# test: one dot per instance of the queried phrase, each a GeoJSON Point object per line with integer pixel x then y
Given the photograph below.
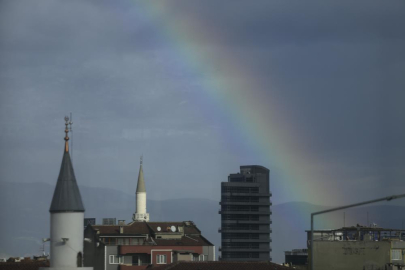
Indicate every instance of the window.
{"type": "Point", "coordinates": [238, 245]}
{"type": "Point", "coordinates": [109, 241]}
{"type": "Point", "coordinates": [240, 208]}
{"type": "Point", "coordinates": [396, 254]}
{"type": "Point", "coordinates": [239, 255]}
{"type": "Point", "coordinates": [240, 236]}
{"type": "Point", "coordinates": [161, 259]}
{"type": "Point", "coordinates": [203, 257]}
{"type": "Point", "coordinates": [122, 241]}
{"type": "Point", "coordinates": [114, 259]}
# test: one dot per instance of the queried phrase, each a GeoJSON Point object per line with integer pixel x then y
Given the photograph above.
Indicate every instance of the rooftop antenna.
{"type": "Point", "coordinates": [141, 159]}
{"type": "Point", "coordinates": [66, 137]}
{"type": "Point", "coordinates": [71, 137]}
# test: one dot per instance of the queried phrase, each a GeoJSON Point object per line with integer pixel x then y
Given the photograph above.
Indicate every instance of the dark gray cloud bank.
{"type": "Point", "coordinates": [337, 66]}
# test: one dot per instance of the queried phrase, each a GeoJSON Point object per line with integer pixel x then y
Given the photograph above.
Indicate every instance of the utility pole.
{"type": "Point", "coordinates": [368, 224]}
{"type": "Point", "coordinates": [344, 219]}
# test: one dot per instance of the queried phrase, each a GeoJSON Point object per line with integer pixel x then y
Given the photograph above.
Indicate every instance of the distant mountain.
{"type": "Point", "coordinates": [25, 217]}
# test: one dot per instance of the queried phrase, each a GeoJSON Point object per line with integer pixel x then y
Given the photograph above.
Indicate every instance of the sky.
{"type": "Point", "coordinates": [312, 90]}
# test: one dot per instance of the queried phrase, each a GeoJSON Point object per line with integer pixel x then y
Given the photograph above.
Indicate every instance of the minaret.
{"type": "Point", "coordinates": [140, 213]}
{"type": "Point", "coordinates": [67, 214]}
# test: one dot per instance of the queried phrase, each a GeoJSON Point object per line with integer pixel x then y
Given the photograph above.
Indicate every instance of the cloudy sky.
{"type": "Point", "coordinates": [312, 90]}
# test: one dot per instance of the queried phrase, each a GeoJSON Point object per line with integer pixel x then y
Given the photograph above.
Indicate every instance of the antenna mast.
{"type": "Point", "coordinates": [71, 137]}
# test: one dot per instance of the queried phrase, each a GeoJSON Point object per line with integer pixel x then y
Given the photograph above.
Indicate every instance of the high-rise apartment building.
{"type": "Point", "coordinates": [245, 215]}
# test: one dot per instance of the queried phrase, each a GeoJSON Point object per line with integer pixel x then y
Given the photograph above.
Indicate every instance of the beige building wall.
{"type": "Point", "coordinates": [346, 255]}
{"type": "Point", "coordinates": [184, 257]}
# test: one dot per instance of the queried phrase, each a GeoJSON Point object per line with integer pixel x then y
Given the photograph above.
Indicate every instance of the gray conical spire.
{"type": "Point", "coordinates": [141, 182]}
{"type": "Point", "coordinates": [66, 197]}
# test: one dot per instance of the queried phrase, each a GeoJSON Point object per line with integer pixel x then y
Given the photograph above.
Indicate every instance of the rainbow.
{"type": "Point", "coordinates": [256, 117]}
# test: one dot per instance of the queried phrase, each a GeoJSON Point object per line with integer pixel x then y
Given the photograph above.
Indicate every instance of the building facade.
{"type": "Point", "coordinates": [367, 248]}
{"type": "Point", "coordinates": [297, 258]}
{"type": "Point", "coordinates": [245, 215]}
{"type": "Point", "coordinates": [138, 245]}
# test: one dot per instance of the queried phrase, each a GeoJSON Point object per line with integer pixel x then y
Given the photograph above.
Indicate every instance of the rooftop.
{"type": "Point", "coordinates": [221, 266]}
{"type": "Point", "coordinates": [358, 228]}
{"type": "Point", "coordinates": [185, 233]}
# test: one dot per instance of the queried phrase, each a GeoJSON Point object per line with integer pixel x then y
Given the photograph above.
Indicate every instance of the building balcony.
{"type": "Point", "coordinates": [232, 249]}
{"type": "Point", "coordinates": [240, 184]}
{"type": "Point", "coordinates": [243, 231]}
{"type": "Point", "coordinates": [246, 203]}
{"type": "Point", "coordinates": [243, 259]}
{"type": "Point", "coordinates": [262, 213]}
{"type": "Point", "coordinates": [246, 221]}
{"type": "Point", "coordinates": [246, 194]}
{"type": "Point", "coordinates": [237, 240]}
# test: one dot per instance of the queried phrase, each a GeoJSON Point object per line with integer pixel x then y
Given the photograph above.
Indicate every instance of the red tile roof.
{"type": "Point", "coordinates": [188, 226]}
{"type": "Point", "coordinates": [184, 241]}
{"type": "Point", "coordinates": [132, 228]}
{"type": "Point", "coordinates": [32, 265]}
{"type": "Point", "coordinates": [221, 266]}
{"type": "Point", "coordinates": [146, 228]}
{"type": "Point", "coordinates": [192, 235]}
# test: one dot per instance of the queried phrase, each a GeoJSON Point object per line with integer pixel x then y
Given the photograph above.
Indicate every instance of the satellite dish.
{"type": "Point", "coordinates": [158, 228]}
{"type": "Point", "coordinates": [173, 228]}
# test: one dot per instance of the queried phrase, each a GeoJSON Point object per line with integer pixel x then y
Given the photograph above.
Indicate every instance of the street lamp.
{"type": "Point", "coordinates": [389, 198]}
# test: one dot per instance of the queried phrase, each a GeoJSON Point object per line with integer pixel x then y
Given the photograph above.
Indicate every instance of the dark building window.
{"type": "Point", "coordinates": [109, 241]}
{"type": "Point", "coordinates": [240, 226]}
{"type": "Point", "coordinates": [240, 217]}
{"type": "Point", "coordinates": [241, 245]}
{"type": "Point", "coordinates": [79, 259]}
{"type": "Point", "coordinates": [240, 208]}
{"type": "Point", "coordinates": [239, 199]}
{"type": "Point", "coordinates": [229, 255]}
{"type": "Point", "coordinates": [240, 189]}
{"type": "Point", "coordinates": [240, 236]}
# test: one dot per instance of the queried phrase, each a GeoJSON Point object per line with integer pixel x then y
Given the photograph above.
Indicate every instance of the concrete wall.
{"type": "Point", "coordinates": [210, 252]}
{"type": "Point", "coordinates": [111, 250]}
{"type": "Point", "coordinates": [343, 255]}
{"type": "Point", "coordinates": [183, 257]}
{"type": "Point", "coordinates": [93, 255]}
{"type": "Point", "coordinates": [70, 226]}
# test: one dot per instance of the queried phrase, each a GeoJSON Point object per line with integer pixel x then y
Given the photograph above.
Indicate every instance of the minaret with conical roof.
{"type": "Point", "coordinates": [140, 213]}
{"type": "Point", "coordinates": [67, 215]}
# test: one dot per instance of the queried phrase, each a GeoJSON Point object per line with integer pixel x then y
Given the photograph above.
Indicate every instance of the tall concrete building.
{"type": "Point", "coordinates": [67, 214]}
{"type": "Point", "coordinates": [245, 215]}
{"type": "Point", "coordinates": [140, 212]}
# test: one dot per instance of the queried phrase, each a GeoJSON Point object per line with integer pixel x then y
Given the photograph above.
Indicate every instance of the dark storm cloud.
{"type": "Point", "coordinates": [336, 66]}
{"type": "Point", "coordinates": [270, 23]}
